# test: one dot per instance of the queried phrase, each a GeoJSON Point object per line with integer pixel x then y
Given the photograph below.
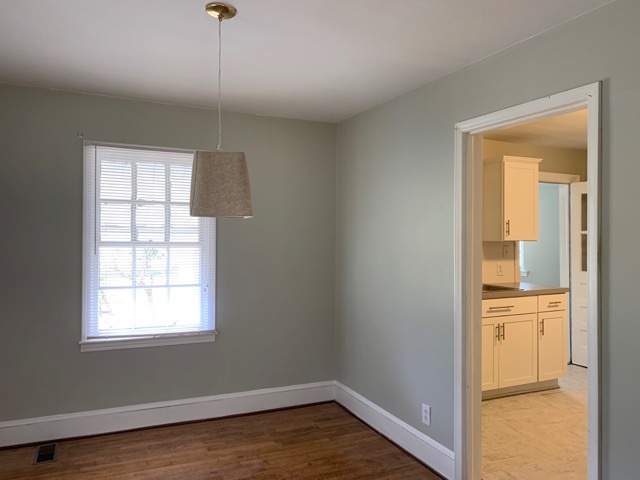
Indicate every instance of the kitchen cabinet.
{"type": "Point", "coordinates": [524, 340]}
{"type": "Point", "coordinates": [490, 344]}
{"type": "Point", "coordinates": [518, 351]}
{"type": "Point", "coordinates": [552, 337]}
{"type": "Point", "coordinates": [509, 342]}
{"type": "Point", "coordinates": [510, 199]}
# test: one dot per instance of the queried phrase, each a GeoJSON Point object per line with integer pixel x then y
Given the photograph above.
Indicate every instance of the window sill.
{"type": "Point", "coordinates": [122, 343]}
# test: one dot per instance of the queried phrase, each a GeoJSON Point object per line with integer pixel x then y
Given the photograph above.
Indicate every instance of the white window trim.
{"type": "Point", "coordinates": [100, 344]}
{"type": "Point", "coordinates": [523, 272]}
{"type": "Point", "coordinates": [119, 344]}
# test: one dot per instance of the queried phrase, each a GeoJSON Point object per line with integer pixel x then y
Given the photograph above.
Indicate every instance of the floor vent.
{"type": "Point", "coordinates": [45, 453]}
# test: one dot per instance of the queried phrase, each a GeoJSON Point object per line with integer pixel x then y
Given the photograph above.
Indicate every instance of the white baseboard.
{"type": "Point", "coordinates": [57, 427]}
{"type": "Point", "coordinates": [423, 447]}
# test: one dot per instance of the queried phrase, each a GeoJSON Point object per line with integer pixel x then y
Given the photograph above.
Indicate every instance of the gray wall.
{"type": "Point", "coordinates": [542, 257]}
{"type": "Point", "coordinates": [395, 224]}
{"type": "Point", "coordinates": [275, 272]}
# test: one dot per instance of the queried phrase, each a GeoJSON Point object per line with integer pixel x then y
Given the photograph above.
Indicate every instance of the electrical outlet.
{"type": "Point", "coordinates": [426, 414]}
{"type": "Point", "coordinates": [499, 272]}
{"type": "Point", "coordinates": [505, 251]}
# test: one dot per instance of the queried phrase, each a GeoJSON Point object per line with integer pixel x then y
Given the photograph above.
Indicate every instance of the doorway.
{"type": "Point", "coordinates": [468, 278]}
{"type": "Point", "coordinates": [572, 233]}
{"type": "Point", "coordinates": [542, 431]}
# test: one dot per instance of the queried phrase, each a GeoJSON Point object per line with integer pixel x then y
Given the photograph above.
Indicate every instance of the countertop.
{"type": "Point", "coordinates": [527, 290]}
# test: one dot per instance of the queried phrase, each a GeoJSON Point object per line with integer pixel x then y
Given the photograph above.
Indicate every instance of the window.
{"type": "Point", "coordinates": [523, 266]}
{"type": "Point", "coordinates": [149, 267]}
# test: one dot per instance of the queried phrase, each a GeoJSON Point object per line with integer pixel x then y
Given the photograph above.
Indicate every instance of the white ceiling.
{"type": "Point", "coordinates": [301, 59]}
{"type": "Point", "coordinates": [563, 131]}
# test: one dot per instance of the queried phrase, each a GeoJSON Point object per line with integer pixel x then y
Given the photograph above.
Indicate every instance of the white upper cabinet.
{"type": "Point", "coordinates": [510, 199]}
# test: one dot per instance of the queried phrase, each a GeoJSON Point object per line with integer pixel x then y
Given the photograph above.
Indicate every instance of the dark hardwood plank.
{"type": "Point", "coordinates": [315, 442]}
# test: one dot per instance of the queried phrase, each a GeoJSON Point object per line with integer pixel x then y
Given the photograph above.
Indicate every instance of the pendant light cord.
{"type": "Point", "coordinates": [219, 147]}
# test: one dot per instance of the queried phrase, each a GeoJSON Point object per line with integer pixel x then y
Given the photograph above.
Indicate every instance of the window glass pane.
{"type": "Point", "coordinates": [584, 210]}
{"type": "Point", "coordinates": [184, 266]}
{"type": "Point", "coordinates": [116, 269]}
{"type": "Point", "coordinates": [180, 183]}
{"type": "Point", "coordinates": [184, 228]}
{"type": "Point", "coordinates": [115, 180]}
{"type": "Point", "coordinates": [115, 222]}
{"type": "Point", "coordinates": [152, 307]}
{"type": "Point", "coordinates": [162, 308]}
{"type": "Point", "coordinates": [151, 266]}
{"type": "Point", "coordinates": [184, 311]}
{"type": "Point", "coordinates": [584, 251]}
{"type": "Point", "coordinates": [150, 223]}
{"type": "Point", "coordinates": [115, 309]}
{"type": "Point", "coordinates": [150, 182]}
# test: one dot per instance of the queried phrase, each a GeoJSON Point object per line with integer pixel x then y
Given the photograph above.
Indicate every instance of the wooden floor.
{"type": "Point", "coordinates": [539, 435]}
{"type": "Point", "coordinates": [315, 442]}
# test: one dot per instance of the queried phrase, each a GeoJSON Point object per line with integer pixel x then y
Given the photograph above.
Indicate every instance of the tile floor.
{"type": "Point", "coordinates": [540, 435]}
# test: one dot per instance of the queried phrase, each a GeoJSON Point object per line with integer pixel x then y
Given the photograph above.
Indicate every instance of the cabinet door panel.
{"type": "Point", "coordinates": [489, 355]}
{"type": "Point", "coordinates": [521, 201]}
{"type": "Point", "coordinates": [518, 361]}
{"type": "Point", "coordinates": [552, 342]}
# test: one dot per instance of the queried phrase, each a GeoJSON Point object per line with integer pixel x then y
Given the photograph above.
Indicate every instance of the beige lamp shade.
{"type": "Point", "coordinates": [220, 185]}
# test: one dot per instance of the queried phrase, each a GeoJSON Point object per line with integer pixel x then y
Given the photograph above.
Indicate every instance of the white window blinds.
{"type": "Point", "coordinates": [149, 266]}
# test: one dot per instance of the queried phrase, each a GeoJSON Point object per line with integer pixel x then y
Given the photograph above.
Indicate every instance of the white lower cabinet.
{"type": "Point", "coordinates": [525, 348]}
{"type": "Point", "coordinates": [509, 351]}
{"type": "Point", "coordinates": [518, 351]}
{"type": "Point", "coordinates": [552, 337]}
{"type": "Point", "coordinates": [490, 362]}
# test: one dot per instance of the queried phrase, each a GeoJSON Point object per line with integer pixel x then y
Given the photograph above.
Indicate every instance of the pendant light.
{"type": "Point", "coordinates": [220, 180]}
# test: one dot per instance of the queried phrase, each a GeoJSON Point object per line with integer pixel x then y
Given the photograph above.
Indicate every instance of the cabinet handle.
{"type": "Point", "coordinates": [554, 303]}
{"type": "Point", "coordinates": [542, 327]}
{"type": "Point", "coordinates": [505, 307]}
{"type": "Point", "coordinates": [503, 332]}
{"type": "Point", "coordinates": [498, 332]}
{"type": "Point", "coordinates": [508, 227]}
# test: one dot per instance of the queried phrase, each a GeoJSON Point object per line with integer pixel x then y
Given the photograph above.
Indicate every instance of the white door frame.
{"type": "Point", "coordinates": [468, 269]}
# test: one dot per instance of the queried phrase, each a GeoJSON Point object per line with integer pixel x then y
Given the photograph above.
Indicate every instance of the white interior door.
{"type": "Point", "coordinates": [579, 290]}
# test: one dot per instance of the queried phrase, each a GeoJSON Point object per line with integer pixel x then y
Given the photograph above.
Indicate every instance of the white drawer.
{"type": "Point", "coordinates": [496, 307]}
{"type": "Point", "coordinates": [549, 303]}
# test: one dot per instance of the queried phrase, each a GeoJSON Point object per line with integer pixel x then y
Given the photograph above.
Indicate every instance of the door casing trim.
{"type": "Point", "coordinates": [468, 269]}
